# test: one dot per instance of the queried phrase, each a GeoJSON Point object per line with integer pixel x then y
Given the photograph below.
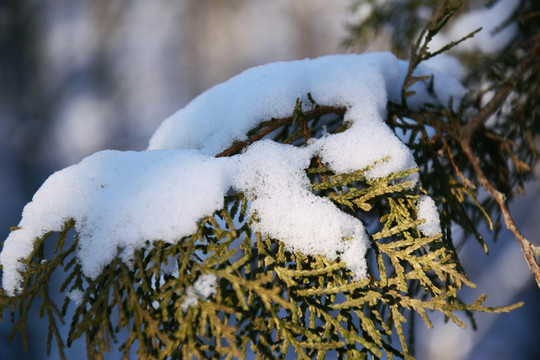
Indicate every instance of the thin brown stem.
{"type": "Point", "coordinates": [448, 151]}
{"type": "Point", "coordinates": [529, 249]}
{"type": "Point", "coordinates": [276, 124]}
{"type": "Point", "coordinates": [428, 118]}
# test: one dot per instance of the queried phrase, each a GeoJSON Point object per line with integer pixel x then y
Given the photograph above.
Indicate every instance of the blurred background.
{"type": "Point", "coordinates": [81, 76]}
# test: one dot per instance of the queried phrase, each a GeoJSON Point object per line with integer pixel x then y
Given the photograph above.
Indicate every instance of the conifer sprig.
{"type": "Point", "coordinates": [269, 299]}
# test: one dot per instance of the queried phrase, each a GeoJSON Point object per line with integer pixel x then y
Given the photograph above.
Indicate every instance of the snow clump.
{"type": "Point", "coordinates": [204, 288]}
{"type": "Point", "coordinates": [427, 209]}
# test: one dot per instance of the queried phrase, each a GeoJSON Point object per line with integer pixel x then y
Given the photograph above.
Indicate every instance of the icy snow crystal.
{"type": "Point", "coordinates": [204, 287]}
{"type": "Point", "coordinates": [120, 200]}
{"type": "Point", "coordinates": [428, 210]}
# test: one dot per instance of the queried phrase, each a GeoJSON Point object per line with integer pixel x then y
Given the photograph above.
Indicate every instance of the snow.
{"type": "Point", "coordinates": [121, 200]}
{"type": "Point", "coordinates": [448, 64]}
{"type": "Point", "coordinates": [273, 175]}
{"type": "Point", "coordinates": [496, 34]}
{"type": "Point", "coordinates": [204, 288]}
{"type": "Point", "coordinates": [76, 296]}
{"type": "Point", "coordinates": [190, 300]}
{"type": "Point", "coordinates": [427, 209]}
{"type": "Point", "coordinates": [227, 111]}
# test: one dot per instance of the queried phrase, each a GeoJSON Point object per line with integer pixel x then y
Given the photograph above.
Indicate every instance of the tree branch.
{"type": "Point", "coordinates": [277, 123]}
{"type": "Point", "coordinates": [463, 135]}
{"type": "Point", "coordinates": [529, 249]}
{"type": "Point", "coordinates": [427, 117]}
{"type": "Point", "coordinates": [502, 94]}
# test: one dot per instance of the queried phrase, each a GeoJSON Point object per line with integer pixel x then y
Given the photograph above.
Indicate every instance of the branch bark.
{"type": "Point", "coordinates": [529, 249]}
{"type": "Point", "coordinates": [274, 124]}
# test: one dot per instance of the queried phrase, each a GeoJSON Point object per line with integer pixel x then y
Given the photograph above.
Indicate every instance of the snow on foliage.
{"type": "Point", "coordinates": [76, 296]}
{"type": "Point", "coordinates": [204, 287]}
{"type": "Point", "coordinates": [428, 210]}
{"type": "Point", "coordinates": [121, 200]}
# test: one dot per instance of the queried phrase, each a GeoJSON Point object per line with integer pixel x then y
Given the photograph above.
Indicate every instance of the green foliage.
{"type": "Point", "coordinates": [269, 300]}
{"type": "Point", "coordinates": [506, 147]}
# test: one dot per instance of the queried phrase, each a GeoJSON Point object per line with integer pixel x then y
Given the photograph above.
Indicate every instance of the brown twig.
{"type": "Point", "coordinates": [426, 117]}
{"type": "Point", "coordinates": [462, 135]}
{"type": "Point", "coordinates": [529, 250]}
{"type": "Point", "coordinates": [448, 151]}
{"type": "Point", "coordinates": [277, 123]}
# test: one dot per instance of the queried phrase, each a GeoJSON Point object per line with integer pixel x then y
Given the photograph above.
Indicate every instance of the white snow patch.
{"type": "Point", "coordinates": [76, 296]}
{"type": "Point", "coordinates": [273, 174]}
{"type": "Point", "coordinates": [121, 200]}
{"type": "Point", "coordinates": [448, 64]}
{"type": "Point", "coordinates": [427, 209]}
{"type": "Point", "coordinates": [227, 111]}
{"type": "Point", "coordinates": [204, 288]}
{"type": "Point", "coordinates": [190, 300]}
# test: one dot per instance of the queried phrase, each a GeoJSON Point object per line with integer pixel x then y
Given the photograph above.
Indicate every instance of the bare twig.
{"type": "Point", "coordinates": [448, 151]}
{"type": "Point", "coordinates": [427, 118]}
{"type": "Point", "coordinates": [529, 249]}
{"type": "Point", "coordinates": [277, 123]}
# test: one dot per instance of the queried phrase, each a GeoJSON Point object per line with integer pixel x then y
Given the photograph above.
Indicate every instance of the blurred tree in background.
{"type": "Point", "coordinates": [490, 143]}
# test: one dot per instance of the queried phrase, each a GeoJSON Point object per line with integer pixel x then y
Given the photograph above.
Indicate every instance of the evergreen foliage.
{"type": "Point", "coordinates": [272, 301]}
{"type": "Point", "coordinates": [467, 153]}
